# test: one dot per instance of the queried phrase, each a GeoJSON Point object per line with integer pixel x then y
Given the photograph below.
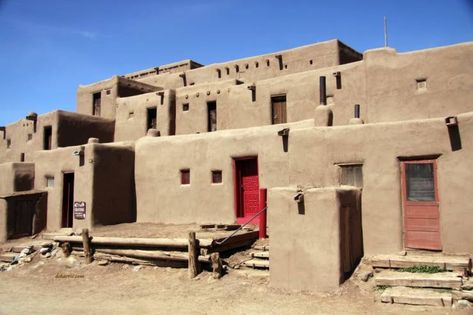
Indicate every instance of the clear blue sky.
{"type": "Point", "coordinates": [49, 47]}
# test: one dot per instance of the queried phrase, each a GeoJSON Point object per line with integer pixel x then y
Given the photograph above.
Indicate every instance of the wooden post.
{"type": "Point", "coordinates": [194, 250]}
{"type": "Point", "coordinates": [86, 246]}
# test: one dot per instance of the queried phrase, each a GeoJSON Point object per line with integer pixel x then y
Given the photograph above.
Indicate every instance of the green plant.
{"type": "Point", "coordinates": [380, 288]}
{"type": "Point", "coordinates": [422, 268]}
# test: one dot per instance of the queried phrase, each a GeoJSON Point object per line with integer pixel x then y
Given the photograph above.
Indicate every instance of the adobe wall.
{"type": "Point", "coordinates": [114, 198]}
{"type": "Point", "coordinates": [162, 199]}
{"type": "Point", "coordinates": [67, 129]}
{"type": "Point", "coordinates": [314, 155]}
{"type": "Point", "coordinates": [16, 177]}
{"type": "Point", "coordinates": [3, 220]}
{"type": "Point", "coordinates": [131, 120]}
{"type": "Point", "coordinates": [308, 246]}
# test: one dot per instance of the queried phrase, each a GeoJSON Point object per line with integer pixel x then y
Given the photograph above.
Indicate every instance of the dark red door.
{"type": "Point", "coordinates": [421, 205]}
{"type": "Point", "coordinates": [247, 189]}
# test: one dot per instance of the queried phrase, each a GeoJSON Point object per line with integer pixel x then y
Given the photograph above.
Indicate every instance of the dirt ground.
{"type": "Point", "coordinates": [67, 286]}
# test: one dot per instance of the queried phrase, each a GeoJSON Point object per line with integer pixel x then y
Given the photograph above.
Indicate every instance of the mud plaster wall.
{"type": "Point", "coordinates": [314, 153]}
{"type": "Point", "coordinates": [306, 251]}
{"type": "Point", "coordinates": [16, 177]}
{"type": "Point", "coordinates": [55, 163]}
{"type": "Point", "coordinates": [131, 120]}
{"type": "Point", "coordinates": [162, 198]}
{"type": "Point", "coordinates": [84, 102]}
{"type": "Point", "coordinates": [114, 185]}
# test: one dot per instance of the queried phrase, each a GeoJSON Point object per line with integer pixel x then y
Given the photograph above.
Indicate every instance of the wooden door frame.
{"type": "Point", "coordinates": [406, 202]}
{"type": "Point", "coordinates": [236, 190]}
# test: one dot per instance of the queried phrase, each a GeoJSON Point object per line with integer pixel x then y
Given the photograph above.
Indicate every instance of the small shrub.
{"type": "Point", "coordinates": [422, 269]}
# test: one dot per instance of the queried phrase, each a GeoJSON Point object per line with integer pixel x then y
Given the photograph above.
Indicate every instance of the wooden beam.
{"type": "Point", "coordinates": [86, 245]}
{"type": "Point", "coordinates": [194, 250]}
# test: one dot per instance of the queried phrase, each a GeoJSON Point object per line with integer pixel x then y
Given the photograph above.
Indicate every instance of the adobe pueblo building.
{"type": "Point", "coordinates": [357, 155]}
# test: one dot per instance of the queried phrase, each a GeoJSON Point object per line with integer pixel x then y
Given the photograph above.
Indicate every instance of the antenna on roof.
{"type": "Point", "coordinates": [385, 32]}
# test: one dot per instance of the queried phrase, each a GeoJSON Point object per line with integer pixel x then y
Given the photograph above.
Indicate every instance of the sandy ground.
{"type": "Point", "coordinates": [66, 286]}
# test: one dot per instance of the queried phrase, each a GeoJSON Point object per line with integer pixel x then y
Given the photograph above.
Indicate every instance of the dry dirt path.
{"type": "Point", "coordinates": [48, 286]}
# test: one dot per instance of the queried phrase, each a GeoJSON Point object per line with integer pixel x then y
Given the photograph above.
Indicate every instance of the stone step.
{"type": "Point", "coordinates": [7, 256]}
{"type": "Point", "coordinates": [261, 247]}
{"type": "Point", "coordinates": [260, 254]}
{"type": "Point", "coordinates": [446, 280]}
{"type": "Point", "coordinates": [403, 295]}
{"type": "Point", "coordinates": [257, 263]}
{"type": "Point", "coordinates": [450, 263]}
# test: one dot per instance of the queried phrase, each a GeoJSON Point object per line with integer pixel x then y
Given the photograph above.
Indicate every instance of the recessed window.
{"type": "Point", "coordinates": [311, 62]}
{"type": "Point", "coordinates": [227, 70]}
{"type": "Point", "coordinates": [219, 73]}
{"type": "Point", "coordinates": [152, 118]}
{"type": "Point", "coordinates": [49, 181]}
{"type": "Point", "coordinates": [237, 68]}
{"type": "Point", "coordinates": [185, 176]}
{"type": "Point", "coordinates": [22, 157]}
{"type": "Point", "coordinates": [421, 85]}
{"type": "Point", "coordinates": [108, 92]}
{"type": "Point", "coordinates": [268, 62]}
{"type": "Point", "coordinates": [8, 143]}
{"type": "Point", "coordinates": [352, 175]}
{"type": "Point", "coordinates": [30, 136]}
{"type": "Point", "coordinates": [216, 177]}
{"type": "Point", "coordinates": [131, 115]}
{"type": "Point", "coordinates": [256, 64]}
{"type": "Point", "coordinates": [47, 137]}
{"type": "Point", "coordinates": [185, 107]}
{"type": "Point", "coordinates": [247, 66]}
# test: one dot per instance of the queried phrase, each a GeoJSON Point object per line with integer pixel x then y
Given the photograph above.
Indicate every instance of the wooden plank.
{"type": "Point", "coordinates": [261, 247]}
{"type": "Point", "coordinates": [148, 254]}
{"type": "Point", "coordinates": [257, 263]}
{"type": "Point", "coordinates": [7, 257]}
{"type": "Point", "coordinates": [420, 280]}
{"type": "Point", "coordinates": [402, 295]}
{"type": "Point", "coordinates": [450, 263]}
{"type": "Point", "coordinates": [263, 255]}
{"type": "Point", "coordinates": [134, 242]}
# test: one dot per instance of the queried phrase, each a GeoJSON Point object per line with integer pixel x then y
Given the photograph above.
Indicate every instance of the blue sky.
{"type": "Point", "coordinates": [49, 47]}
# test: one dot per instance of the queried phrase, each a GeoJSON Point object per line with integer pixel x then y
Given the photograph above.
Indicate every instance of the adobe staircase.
{"type": "Point", "coordinates": [423, 279]}
{"type": "Point", "coordinates": [259, 258]}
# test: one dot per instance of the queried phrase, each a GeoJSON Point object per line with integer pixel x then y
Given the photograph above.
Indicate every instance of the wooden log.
{"type": "Point", "coordinates": [86, 245]}
{"type": "Point", "coordinates": [194, 250]}
{"type": "Point", "coordinates": [134, 241]}
{"type": "Point", "coordinates": [217, 267]}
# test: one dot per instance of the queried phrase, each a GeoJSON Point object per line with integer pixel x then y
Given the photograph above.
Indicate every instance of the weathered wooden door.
{"type": "Point", "coordinates": [421, 205]}
{"type": "Point", "coordinates": [278, 109]}
{"type": "Point", "coordinates": [247, 188]}
{"type": "Point", "coordinates": [67, 199]}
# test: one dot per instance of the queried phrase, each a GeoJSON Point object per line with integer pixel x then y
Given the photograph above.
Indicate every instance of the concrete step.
{"type": "Point", "coordinates": [450, 263]}
{"type": "Point", "coordinates": [257, 263]}
{"type": "Point", "coordinates": [403, 295]}
{"type": "Point", "coordinates": [7, 256]}
{"type": "Point", "coordinates": [446, 280]}
{"type": "Point", "coordinates": [260, 254]}
{"type": "Point", "coordinates": [261, 247]}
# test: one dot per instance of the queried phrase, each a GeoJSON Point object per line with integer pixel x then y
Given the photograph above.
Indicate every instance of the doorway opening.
{"type": "Point", "coordinates": [212, 116]}
{"type": "Point", "coordinates": [96, 103]}
{"type": "Point", "coordinates": [278, 109]}
{"type": "Point", "coordinates": [67, 200]}
{"type": "Point", "coordinates": [47, 137]}
{"type": "Point", "coordinates": [152, 118]}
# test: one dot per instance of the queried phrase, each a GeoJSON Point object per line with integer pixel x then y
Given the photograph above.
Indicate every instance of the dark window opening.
{"type": "Point", "coordinates": [227, 70]}
{"type": "Point", "coordinates": [216, 177]}
{"type": "Point", "coordinates": [152, 118]}
{"type": "Point", "coordinates": [8, 143]}
{"type": "Point", "coordinates": [247, 66]}
{"type": "Point", "coordinates": [311, 61]}
{"type": "Point", "coordinates": [96, 103]}
{"type": "Point", "coordinates": [278, 109]}
{"type": "Point", "coordinates": [47, 137]}
{"type": "Point", "coordinates": [338, 79]}
{"type": "Point", "coordinates": [351, 175]}
{"type": "Point", "coordinates": [420, 182]}
{"type": "Point", "coordinates": [30, 136]}
{"type": "Point", "coordinates": [256, 64]}
{"type": "Point", "coordinates": [22, 157]}
{"type": "Point", "coordinates": [185, 177]}
{"type": "Point", "coordinates": [212, 116]}
{"type": "Point", "coordinates": [185, 107]}
{"type": "Point", "coordinates": [219, 73]}
{"type": "Point", "coordinates": [279, 58]}
{"type": "Point", "coordinates": [268, 63]}
{"type": "Point", "coordinates": [237, 68]}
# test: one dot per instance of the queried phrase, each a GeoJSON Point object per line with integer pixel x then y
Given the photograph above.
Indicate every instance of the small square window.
{"type": "Point", "coordinates": [8, 143]}
{"type": "Point", "coordinates": [185, 107]}
{"type": "Point", "coordinates": [49, 181]}
{"type": "Point", "coordinates": [216, 177]}
{"type": "Point", "coordinates": [131, 115]}
{"type": "Point", "coordinates": [352, 175]}
{"type": "Point", "coordinates": [108, 92]}
{"type": "Point", "coordinates": [185, 177]}
{"type": "Point", "coordinates": [421, 84]}
{"type": "Point", "coordinates": [30, 136]}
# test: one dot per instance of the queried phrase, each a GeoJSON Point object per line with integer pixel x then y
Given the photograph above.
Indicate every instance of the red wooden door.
{"type": "Point", "coordinates": [247, 189]}
{"type": "Point", "coordinates": [421, 205]}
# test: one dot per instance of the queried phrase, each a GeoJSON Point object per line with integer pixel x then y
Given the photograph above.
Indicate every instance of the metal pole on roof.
{"type": "Point", "coordinates": [385, 32]}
